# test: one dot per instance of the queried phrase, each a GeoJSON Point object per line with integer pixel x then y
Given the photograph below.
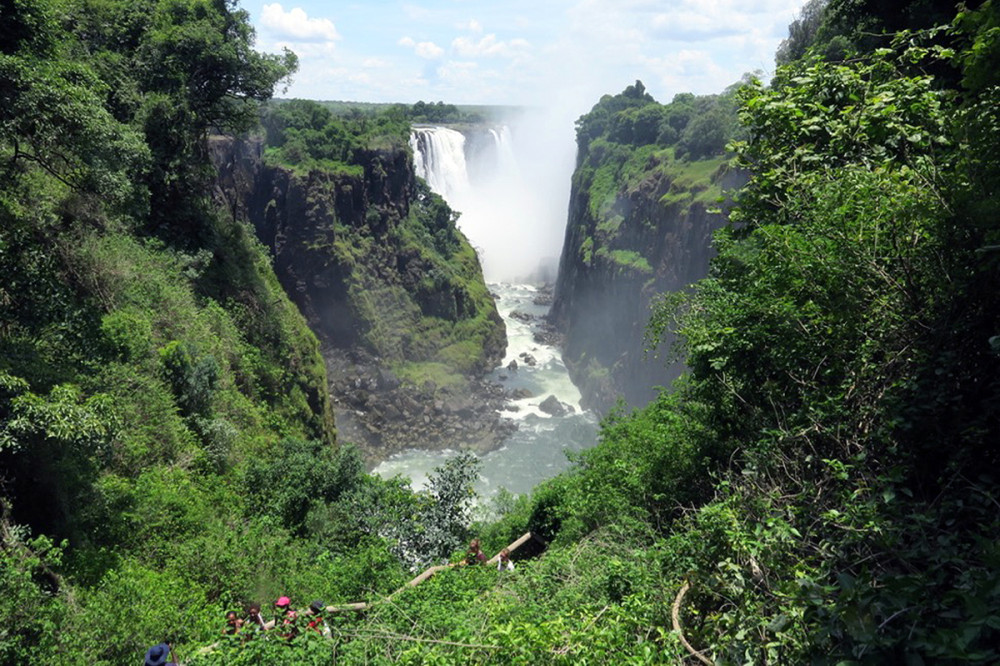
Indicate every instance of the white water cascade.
{"type": "Point", "coordinates": [439, 158]}
{"type": "Point", "coordinates": [506, 217]}
{"type": "Point", "coordinates": [512, 216]}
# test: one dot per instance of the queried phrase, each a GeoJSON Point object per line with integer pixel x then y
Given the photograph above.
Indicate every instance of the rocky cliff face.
{"type": "Point", "coordinates": [393, 291]}
{"type": "Point", "coordinates": [651, 235]}
{"type": "Point", "coordinates": [296, 216]}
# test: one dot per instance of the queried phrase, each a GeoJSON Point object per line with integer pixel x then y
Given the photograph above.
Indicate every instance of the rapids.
{"type": "Point", "coordinates": [537, 450]}
{"type": "Point", "coordinates": [512, 216]}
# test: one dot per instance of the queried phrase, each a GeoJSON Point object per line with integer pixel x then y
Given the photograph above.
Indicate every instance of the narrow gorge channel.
{"type": "Point", "coordinates": [515, 222]}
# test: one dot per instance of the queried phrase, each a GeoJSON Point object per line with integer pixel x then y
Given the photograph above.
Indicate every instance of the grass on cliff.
{"type": "Point", "coordinates": [414, 283]}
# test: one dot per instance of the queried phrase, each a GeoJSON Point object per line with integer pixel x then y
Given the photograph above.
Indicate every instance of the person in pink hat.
{"type": "Point", "coordinates": [285, 617]}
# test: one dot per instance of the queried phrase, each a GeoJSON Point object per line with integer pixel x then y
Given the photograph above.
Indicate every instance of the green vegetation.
{"type": "Point", "coordinates": [167, 447]}
{"type": "Point", "coordinates": [820, 488]}
{"type": "Point", "coordinates": [414, 284]}
{"type": "Point", "coordinates": [420, 112]}
{"type": "Point", "coordinates": [645, 195]}
{"type": "Point", "coordinates": [307, 136]}
{"type": "Point", "coordinates": [629, 143]}
{"type": "Point", "coordinates": [627, 259]}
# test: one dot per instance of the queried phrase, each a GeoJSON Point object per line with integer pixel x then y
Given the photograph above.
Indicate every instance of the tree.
{"type": "Point", "coordinates": [200, 53]}
{"type": "Point", "coordinates": [802, 32]}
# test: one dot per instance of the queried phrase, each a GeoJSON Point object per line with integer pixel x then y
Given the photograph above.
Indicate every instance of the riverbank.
{"type": "Point", "coordinates": [384, 415]}
{"type": "Point", "coordinates": [532, 379]}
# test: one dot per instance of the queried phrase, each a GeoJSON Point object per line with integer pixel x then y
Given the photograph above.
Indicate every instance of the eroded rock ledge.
{"type": "Point", "coordinates": [385, 280]}
{"type": "Point", "coordinates": [384, 415]}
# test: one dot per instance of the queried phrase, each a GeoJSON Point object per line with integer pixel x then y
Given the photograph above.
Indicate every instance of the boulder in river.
{"type": "Point", "coordinates": [553, 407]}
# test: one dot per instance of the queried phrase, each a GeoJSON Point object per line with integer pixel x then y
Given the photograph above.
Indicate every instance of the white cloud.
{"type": "Point", "coordinates": [472, 25]}
{"type": "Point", "coordinates": [296, 24]}
{"type": "Point", "coordinates": [692, 26]}
{"type": "Point", "coordinates": [489, 46]}
{"type": "Point", "coordinates": [426, 50]}
{"type": "Point", "coordinates": [567, 52]}
{"type": "Point", "coordinates": [429, 50]}
{"type": "Point", "coordinates": [460, 72]}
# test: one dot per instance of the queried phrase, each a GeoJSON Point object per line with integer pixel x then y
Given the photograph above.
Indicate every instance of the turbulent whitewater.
{"type": "Point", "coordinates": [537, 450]}
{"type": "Point", "coordinates": [482, 175]}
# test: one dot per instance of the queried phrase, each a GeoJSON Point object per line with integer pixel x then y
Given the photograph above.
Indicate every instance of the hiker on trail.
{"type": "Point", "coordinates": [475, 555]}
{"type": "Point", "coordinates": [316, 622]}
{"type": "Point", "coordinates": [503, 561]}
{"type": "Point", "coordinates": [286, 618]}
{"type": "Point", "coordinates": [254, 617]}
{"type": "Point", "coordinates": [234, 623]}
{"type": "Point", "coordinates": [158, 655]}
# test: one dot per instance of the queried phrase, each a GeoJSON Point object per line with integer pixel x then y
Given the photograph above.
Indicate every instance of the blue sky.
{"type": "Point", "coordinates": [520, 52]}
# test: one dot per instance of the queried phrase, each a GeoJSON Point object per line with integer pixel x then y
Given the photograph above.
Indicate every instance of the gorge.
{"type": "Point", "coordinates": [208, 295]}
{"type": "Point", "coordinates": [396, 298]}
{"type": "Point", "coordinates": [511, 222]}
{"type": "Point", "coordinates": [621, 248]}
{"type": "Point", "coordinates": [380, 403]}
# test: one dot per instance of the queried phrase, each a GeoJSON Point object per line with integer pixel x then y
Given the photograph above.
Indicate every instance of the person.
{"type": "Point", "coordinates": [286, 617]}
{"type": "Point", "coordinates": [158, 654]}
{"type": "Point", "coordinates": [474, 555]}
{"type": "Point", "coordinates": [316, 623]}
{"type": "Point", "coordinates": [233, 623]}
{"type": "Point", "coordinates": [254, 616]}
{"type": "Point", "coordinates": [503, 560]}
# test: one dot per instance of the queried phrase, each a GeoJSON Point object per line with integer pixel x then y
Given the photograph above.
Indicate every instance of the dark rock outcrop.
{"type": "Point", "coordinates": [553, 407]}
{"type": "Point", "coordinates": [341, 250]}
{"type": "Point", "coordinates": [609, 274]}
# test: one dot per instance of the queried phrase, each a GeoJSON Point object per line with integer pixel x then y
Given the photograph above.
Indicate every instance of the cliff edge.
{"type": "Point", "coordinates": [644, 203]}
{"type": "Point", "coordinates": [389, 285]}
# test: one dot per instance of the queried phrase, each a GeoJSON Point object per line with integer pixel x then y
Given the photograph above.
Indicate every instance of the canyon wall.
{"type": "Point", "coordinates": [641, 217]}
{"type": "Point", "coordinates": [390, 286]}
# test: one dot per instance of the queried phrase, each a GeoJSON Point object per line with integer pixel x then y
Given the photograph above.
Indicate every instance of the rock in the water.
{"type": "Point", "coordinates": [553, 407]}
{"type": "Point", "coordinates": [512, 366]}
{"type": "Point", "coordinates": [528, 359]}
{"type": "Point", "coordinates": [544, 297]}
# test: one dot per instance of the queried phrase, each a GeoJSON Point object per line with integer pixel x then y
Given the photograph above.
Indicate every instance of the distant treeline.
{"type": "Point", "coordinates": [420, 112]}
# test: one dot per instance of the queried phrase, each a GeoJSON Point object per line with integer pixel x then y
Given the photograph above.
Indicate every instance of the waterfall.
{"type": "Point", "coordinates": [439, 157]}
{"type": "Point", "coordinates": [512, 198]}
{"type": "Point", "coordinates": [506, 162]}
{"type": "Point", "coordinates": [507, 218]}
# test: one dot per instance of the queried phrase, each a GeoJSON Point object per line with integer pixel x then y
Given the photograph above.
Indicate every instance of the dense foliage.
{"type": "Point", "coordinates": [628, 139]}
{"type": "Point", "coordinates": [167, 447]}
{"type": "Point", "coordinates": [697, 127]}
{"type": "Point", "coordinates": [408, 279]}
{"type": "Point", "coordinates": [307, 135]}
{"type": "Point", "coordinates": [819, 488]}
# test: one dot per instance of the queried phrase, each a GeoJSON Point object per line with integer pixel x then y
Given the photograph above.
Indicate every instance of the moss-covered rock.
{"type": "Point", "coordinates": [384, 277]}
{"type": "Point", "coordinates": [640, 224]}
